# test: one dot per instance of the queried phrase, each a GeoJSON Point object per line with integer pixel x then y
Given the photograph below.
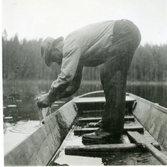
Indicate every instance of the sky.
{"type": "Point", "coordinates": [34, 19]}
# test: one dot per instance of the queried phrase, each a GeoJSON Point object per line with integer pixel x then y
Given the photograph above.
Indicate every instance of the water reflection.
{"type": "Point", "coordinates": [28, 110]}
{"type": "Point", "coordinates": [154, 92]}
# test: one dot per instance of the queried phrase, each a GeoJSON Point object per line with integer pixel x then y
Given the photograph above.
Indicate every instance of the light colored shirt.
{"type": "Point", "coordinates": [87, 46]}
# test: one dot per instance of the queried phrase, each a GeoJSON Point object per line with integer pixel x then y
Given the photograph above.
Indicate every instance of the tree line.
{"type": "Point", "coordinates": [22, 61]}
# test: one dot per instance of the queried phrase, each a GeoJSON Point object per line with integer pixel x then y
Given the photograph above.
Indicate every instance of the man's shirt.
{"type": "Point", "coordinates": [87, 46]}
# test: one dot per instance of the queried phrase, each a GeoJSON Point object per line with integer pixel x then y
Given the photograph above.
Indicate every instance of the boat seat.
{"type": "Point", "coordinates": [96, 119]}
{"type": "Point", "coordinates": [92, 103]}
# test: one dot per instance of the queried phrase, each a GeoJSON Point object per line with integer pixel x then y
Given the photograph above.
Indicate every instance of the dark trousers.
{"type": "Point", "coordinates": [126, 38]}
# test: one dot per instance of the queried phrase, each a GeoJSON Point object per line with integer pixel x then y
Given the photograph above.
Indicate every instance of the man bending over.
{"type": "Point", "coordinates": [112, 43]}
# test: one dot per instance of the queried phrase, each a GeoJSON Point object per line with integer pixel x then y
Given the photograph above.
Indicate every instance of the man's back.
{"type": "Point", "coordinates": [91, 42]}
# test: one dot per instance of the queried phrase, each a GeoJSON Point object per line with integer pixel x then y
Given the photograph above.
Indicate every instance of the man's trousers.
{"type": "Point", "coordinates": [126, 38]}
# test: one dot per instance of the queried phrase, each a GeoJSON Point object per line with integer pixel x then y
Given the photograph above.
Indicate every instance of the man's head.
{"type": "Point", "coordinates": [51, 50]}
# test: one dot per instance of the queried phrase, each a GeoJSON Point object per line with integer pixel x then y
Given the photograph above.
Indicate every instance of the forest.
{"type": "Point", "coordinates": [22, 61]}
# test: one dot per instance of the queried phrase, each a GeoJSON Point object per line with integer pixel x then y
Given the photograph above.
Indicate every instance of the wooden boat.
{"type": "Point", "coordinates": [58, 140]}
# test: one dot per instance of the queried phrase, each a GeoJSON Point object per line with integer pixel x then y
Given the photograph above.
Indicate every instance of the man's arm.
{"type": "Point", "coordinates": [68, 72]}
{"type": "Point", "coordinates": [74, 85]}
{"type": "Point", "coordinates": [70, 65]}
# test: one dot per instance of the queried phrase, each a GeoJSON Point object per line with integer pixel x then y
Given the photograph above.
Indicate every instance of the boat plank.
{"type": "Point", "coordinates": [81, 131]}
{"type": "Point", "coordinates": [99, 149]}
{"type": "Point", "coordinates": [142, 141]}
{"type": "Point", "coordinates": [96, 119]}
{"type": "Point", "coordinates": [98, 99]}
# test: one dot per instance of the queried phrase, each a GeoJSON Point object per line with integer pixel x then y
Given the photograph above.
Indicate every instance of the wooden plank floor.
{"type": "Point", "coordinates": [131, 157]}
{"type": "Point", "coordinates": [74, 152]}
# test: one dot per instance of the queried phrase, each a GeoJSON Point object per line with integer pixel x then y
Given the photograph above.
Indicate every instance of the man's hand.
{"type": "Point", "coordinates": [44, 101]}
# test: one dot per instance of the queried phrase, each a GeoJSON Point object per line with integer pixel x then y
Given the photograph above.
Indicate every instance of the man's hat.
{"type": "Point", "coordinates": [46, 47]}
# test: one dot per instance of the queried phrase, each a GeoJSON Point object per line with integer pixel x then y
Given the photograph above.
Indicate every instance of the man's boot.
{"type": "Point", "coordinates": [101, 137]}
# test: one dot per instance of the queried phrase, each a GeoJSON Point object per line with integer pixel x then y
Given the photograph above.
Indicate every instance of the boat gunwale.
{"type": "Point", "coordinates": [155, 105]}
{"type": "Point", "coordinates": [9, 158]}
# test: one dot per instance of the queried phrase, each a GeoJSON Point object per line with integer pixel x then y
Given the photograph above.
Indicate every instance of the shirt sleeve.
{"type": "Point", "coordinates": [69, 66]}
{"type": "Point", "coordinates": [74, 84]}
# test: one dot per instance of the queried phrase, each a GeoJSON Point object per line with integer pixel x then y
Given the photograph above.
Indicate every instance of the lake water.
{"type": "Point", "coordinates": [154, 92]}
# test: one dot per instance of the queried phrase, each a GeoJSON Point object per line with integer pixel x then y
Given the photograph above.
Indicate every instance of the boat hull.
{"type": "Point", "coordinates": [153, 117]}
{"type": "Point", "coordinates": [42, 146]}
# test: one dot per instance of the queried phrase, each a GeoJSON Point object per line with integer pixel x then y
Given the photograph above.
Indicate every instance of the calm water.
{"type": "Point", "coordinates": [156, 93]}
